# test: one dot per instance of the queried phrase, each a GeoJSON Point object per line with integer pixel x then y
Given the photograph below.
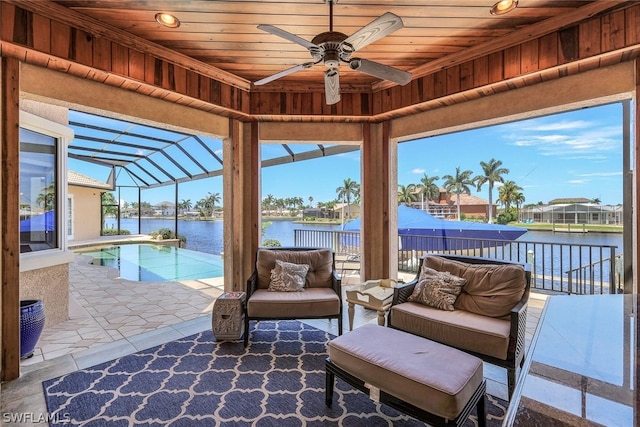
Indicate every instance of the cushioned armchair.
{"type": "Point", "coordinates": [320, 296]}
{"type": "Point", "coordinates": [488, 318]}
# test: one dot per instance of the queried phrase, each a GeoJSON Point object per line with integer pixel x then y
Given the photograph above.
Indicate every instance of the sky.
{"type": "Point", "coordinates": [573, 154]}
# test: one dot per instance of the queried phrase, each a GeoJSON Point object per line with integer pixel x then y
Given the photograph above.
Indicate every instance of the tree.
{"type": "Point", "coordinates": [47, 198]}
{"type": "Point", "coordinates": [268, 203]}
{"type": "Point", "coordinates": [407, 194]}
{"type": "Point", "coordinates": [492, 173]}
{"type": "Point", "coordinates": [109, 206]}
{"type": "Point", "coordinates": [350, 188]}
{"type": "Point", "coordinates": [310, 201]}
{"type": "Point", "coordinates": [596, 201]}
{"type": "Point", "coordinates": [458, 184]}
{"type": "Point", "coordinates": [508, 194]}
{"type": "Point", "coordinates": [186, 205]}
{"type": "Point", "coordinates": [428, 188]}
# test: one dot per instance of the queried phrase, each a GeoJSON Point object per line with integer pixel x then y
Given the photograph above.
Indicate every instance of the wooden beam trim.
{"type": "Point", "coordinates": [37, 58]}
{"type": "Point", "coordinates": [96, 28]}
{"type": "Point", "coordinates": [555, 72]}
{"type": "Point", "coordinates": [9, 218]}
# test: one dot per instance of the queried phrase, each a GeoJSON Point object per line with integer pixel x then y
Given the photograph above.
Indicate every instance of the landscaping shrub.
{"type": "Point", "coordinates": [114, 232]}
{"type": "Point", "coordinates": [271, 243]}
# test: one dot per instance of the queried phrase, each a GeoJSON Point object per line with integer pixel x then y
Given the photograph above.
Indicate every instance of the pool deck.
{"type": "Point", "coordinates": [104, 308]}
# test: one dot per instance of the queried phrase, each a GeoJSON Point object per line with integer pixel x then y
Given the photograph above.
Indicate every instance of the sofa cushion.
{"type": "Point", "coordinates": [458, 328]}
{"type": "Point", "coordinates": [438, 289]}
{"type": "Point", "coordinates": [491, 289]}
{"type": "Point", "coordinates": [320, 262]}
{"type": "Point", "coordinates": [288, 277]}
{"type": "Point", "coordinates": [313, 302]}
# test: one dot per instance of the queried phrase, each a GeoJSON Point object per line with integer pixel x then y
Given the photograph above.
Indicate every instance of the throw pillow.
{"type": "Point", "coordinates": [438, 289]}
{"type": "Point", "coordinates": [288, 277]}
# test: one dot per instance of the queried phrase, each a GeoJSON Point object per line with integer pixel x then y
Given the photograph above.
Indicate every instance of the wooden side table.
{"type": "Point", "coordinates": [227, 318]}
{"type": "Point", "coordinates": [372, 294]}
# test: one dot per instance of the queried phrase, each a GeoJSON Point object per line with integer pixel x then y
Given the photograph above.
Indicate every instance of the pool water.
{"type": "Point", "coordinates": [153, 263]}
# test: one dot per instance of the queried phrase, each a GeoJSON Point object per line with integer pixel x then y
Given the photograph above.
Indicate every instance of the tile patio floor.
{"type": "Point", "coordinates": [112, 317]}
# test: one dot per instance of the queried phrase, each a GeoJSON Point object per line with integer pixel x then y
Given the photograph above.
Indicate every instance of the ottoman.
{"type": "Point", "coordinates": [432, 382]}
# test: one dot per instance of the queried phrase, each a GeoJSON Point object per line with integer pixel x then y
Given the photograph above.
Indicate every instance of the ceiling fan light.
{"type": "Point", "coordinates": [167, 19]}
{"type": "Point", "coordinates": [503, 6]}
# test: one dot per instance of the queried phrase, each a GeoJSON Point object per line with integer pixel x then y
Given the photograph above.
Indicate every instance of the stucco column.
{"type": "Point", "coordinates": [376, 197]}
{"type": "Point", "coordinates": [241, 171]}
{"type": "Point", "coordinates": [9, 218]}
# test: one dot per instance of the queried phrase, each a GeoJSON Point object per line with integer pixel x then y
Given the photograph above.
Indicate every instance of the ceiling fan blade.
{"type": "Point", "coordinates": [380, 71]}
{"type": "Point", "coordinates": [284, 73]}
{"type": "Point", "coordinates": [375, 30]}
{"type": "Point", "coordinates": [287, 36]}
{"type": "Point", "coordinates": [332, 86]}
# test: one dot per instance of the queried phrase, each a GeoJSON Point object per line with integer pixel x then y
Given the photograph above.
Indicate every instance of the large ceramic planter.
{"type": "Point", "coordinates": [32, 319]}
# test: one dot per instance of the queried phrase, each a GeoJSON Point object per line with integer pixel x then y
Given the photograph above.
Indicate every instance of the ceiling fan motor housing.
{"type": "Point", "coordinates": [330, 42]}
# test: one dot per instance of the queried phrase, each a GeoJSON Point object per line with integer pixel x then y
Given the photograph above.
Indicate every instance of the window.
{"type": "Point", "coordinates": [43, 193]}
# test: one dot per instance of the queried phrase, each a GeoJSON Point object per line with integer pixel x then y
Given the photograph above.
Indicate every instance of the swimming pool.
{"type": "Point", "coordinates": [153, 263]}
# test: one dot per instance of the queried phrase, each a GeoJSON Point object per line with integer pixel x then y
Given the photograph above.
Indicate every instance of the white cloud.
{"type": "Point", "coordinates": [563, 125]}
{"type": "Point", "coordinates": [418, 171]}
{"type": "Point", "coordinates": [578, 181]}
{"type": "Point", "coordinates": [604, 174]}
{"type": "Point", "coordinates": [593, 143]}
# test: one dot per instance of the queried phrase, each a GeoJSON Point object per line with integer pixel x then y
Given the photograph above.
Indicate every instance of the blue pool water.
{"type": "Point", "coordinates": [152, 263]}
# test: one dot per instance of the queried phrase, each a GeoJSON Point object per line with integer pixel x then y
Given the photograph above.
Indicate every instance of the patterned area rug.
{"type": "Point", "coordinates": [279, 380]}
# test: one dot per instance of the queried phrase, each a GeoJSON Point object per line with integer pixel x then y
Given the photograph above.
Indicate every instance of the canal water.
{"type": "Point", "coordinates": [207, 236]}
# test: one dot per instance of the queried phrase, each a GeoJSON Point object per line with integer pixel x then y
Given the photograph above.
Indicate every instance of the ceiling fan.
{"type": "Point", "coordinates": [331, 48]}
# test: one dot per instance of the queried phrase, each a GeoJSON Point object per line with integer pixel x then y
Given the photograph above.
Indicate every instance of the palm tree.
{"type": "Point", "coordinates": [492, 174]}
{"type": "Point", "coordinates": [428, 188]}
{"type": "Point", "coordinates": [269, 202]}
{"type": "Point", "coordinates": [349, 188]}
{"type": "Point", "coordinates": [518, 199]}
{"type": "Point", "coordinates": [109, 206]}
{"type": "Point", "coordinates": [508, 193]}
{"type": "Point", "coordinates": [407, 194]}
{"type": "Point", "coordinates": [310, 201]}
{"type": "Point", "coordinates": [47, 199]}
{"type": "Point", "coordinates": [458, 184]}
{"type": "Point", "coordinates": [186, 205]}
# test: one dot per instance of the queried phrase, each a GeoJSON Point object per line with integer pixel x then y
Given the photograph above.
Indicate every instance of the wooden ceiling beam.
{"type": "Point", "coordinates": [512, 39]}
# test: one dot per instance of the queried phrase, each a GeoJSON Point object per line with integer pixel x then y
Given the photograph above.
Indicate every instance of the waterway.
{"type": "Point", "coordinates": [207, 236]}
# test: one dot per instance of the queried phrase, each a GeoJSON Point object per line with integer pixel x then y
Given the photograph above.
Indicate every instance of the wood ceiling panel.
{"type": "Point", "coordinates": [224, 34]}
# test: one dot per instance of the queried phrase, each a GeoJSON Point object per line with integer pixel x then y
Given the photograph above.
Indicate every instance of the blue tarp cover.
{"type": "Point", "coordinates": [416, 222]}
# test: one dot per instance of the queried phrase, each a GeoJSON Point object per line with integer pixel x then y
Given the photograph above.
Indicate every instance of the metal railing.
{"type": "Point", "coordinates": [555, 267]}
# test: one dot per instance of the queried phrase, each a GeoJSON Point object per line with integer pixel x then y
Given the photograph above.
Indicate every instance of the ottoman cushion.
{"type": "Point", "coordinates": [431, 376]}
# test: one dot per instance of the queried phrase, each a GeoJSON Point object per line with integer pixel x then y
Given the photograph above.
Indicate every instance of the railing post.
{"type": "Point", "coordinates": [613, 289]}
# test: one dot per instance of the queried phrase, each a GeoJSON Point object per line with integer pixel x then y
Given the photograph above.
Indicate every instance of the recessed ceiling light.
{"type": "Point", "coordinates": [503, 6]}
{"type": "Point", "coordinates": [168, 20]}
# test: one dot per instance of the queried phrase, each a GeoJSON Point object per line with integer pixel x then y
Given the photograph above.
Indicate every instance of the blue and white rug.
{"type": "Point", "coordinates": [279, 380]}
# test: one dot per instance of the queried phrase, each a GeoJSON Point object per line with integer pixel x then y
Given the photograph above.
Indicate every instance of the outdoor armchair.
{"type": "Point", "coordinates": [489, 317]}
{"type": "Point", "coordinates": [293, 283]}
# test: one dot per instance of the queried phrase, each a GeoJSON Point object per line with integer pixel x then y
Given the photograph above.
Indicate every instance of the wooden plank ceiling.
{"type": "Point", "coordinates": [224, 34]}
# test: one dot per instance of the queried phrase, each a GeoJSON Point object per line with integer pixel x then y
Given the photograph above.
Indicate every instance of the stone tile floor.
{"type": "Point", "coordinates": [104, 308]}
{"type": "Point", "coordinates": [111, 317]}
